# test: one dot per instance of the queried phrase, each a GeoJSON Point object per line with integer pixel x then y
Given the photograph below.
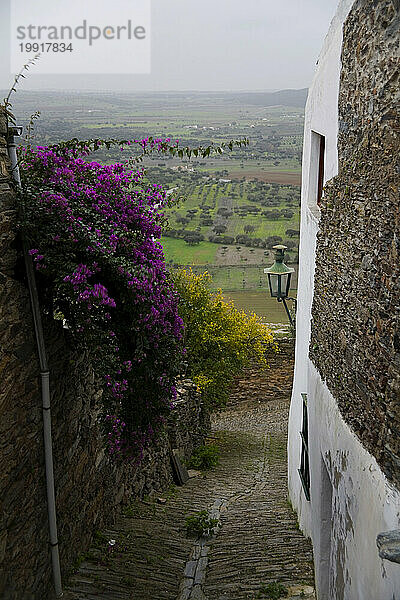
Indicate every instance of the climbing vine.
{"type": "Point", "coordinates": [93, 234]}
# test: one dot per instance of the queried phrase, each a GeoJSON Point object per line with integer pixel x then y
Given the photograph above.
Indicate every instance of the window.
{"type": "Point", "coordinates": [316, 170]}
{"type": "Point", "coordinates": [321, 167]}
{"type": "Point", "coordinates": [304, 470]}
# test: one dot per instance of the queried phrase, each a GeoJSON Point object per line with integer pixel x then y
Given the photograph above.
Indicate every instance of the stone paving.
{"type": "Point", "coordinates": [148, 556]}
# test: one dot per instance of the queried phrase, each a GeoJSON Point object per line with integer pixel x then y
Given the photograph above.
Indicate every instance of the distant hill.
{"type": "Point", "coordinates": [294, 98]}
{"type": "Point", "coordinates": [282, 98]}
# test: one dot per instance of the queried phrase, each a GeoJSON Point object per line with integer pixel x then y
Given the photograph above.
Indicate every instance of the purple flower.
{"type": "Point", "coordinates": [108, 277]}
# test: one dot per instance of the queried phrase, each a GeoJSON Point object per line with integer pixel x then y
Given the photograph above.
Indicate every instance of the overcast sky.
{"type": "Point", "coordinates": [208, 45]}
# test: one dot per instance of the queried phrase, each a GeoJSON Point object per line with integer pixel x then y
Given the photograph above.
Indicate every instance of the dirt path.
{"type": "Point", "coordinates": [258, 542]}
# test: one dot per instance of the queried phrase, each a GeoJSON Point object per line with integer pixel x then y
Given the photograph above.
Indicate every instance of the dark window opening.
{"type": "Point", "coordinates": [304, 470]}
{"type": "Point", "coordinates": [321, 168]}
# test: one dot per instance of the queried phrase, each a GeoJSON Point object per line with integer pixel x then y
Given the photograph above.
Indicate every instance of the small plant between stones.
{"type": "Point", "coordinates": [200, 524]}
{"type": "Point", "coordinates": [273, 590]}
{"type": "Point", "coordinates": [204, 457]}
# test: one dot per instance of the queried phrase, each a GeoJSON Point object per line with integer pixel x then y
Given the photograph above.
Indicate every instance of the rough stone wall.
{"type": "Point", "coordinates": [89, 487]}
{"type": "Point", "coordinates": [22, 494]}
{"type": "Point", "coordinates": [355, 340]}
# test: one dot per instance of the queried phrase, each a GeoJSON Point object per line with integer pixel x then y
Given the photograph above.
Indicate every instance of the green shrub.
{"type": "Point", "coordinates": [201, 524]}
{"type": "Point", "coordinates": [220, 339]}
{"type": "Point", "coordinates": [204, 457]}
{"type": "Point", "coordinates": [273, 590]}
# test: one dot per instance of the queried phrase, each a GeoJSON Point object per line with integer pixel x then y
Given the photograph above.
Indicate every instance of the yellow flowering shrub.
{"type": "Point", "coordinates": [219, 338]}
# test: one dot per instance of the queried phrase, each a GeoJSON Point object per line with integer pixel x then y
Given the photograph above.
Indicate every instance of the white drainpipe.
{"type": "Point", "coordinates": [45, 380]}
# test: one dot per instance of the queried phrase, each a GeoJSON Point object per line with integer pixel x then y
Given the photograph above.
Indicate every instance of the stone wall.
{"type": "Point", "coordinates": [89, 487]}
{"type": "Point", "coordinates": [355, 341]}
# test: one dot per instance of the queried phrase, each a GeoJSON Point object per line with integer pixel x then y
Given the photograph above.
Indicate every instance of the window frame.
{"type": "Point", "coordinates": [316, 172]}
{"type": "Point", "coordinates": [304, 470]}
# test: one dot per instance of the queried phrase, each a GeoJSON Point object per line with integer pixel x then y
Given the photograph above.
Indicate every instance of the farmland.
{"type": "Point", "coordinates": [227, 211]}
{"type": "Point", "coordinates": [230, 227]}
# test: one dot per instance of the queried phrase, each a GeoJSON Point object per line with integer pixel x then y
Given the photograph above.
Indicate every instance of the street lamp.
{"type": "Point", "coordinates": [279, 276]}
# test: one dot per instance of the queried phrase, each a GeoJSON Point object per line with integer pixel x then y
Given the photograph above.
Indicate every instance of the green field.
{"type": "Point", "coordinates": [275, 132]}
{"type": "Point", "coordinates": [180, 252]}
{"type": "Point", "coordinates": [237, 223]}
{"type": "Point", "coordinates": [263, 176]}
{"type": "Point", "coordinates": [235, 278]}
{"type": "Point", "coordinates": [261, 303]}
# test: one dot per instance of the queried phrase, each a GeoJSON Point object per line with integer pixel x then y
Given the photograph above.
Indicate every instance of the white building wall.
{"type": "Point", "coordinates": [349, 489]}
{"type": "Point", "coordinates": [321, 116]}
{"type": "Point", "coordinates": [351, 500]}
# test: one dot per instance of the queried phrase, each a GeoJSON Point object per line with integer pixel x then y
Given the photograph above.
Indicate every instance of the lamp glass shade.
{"type": "Point", "coordinates": [279, 284]}
{"type": "Point", "coordinates": [279, 275]}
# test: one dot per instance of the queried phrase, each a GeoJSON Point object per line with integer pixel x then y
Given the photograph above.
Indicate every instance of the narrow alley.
{"type": "Point", "coordinates": [258, 550]}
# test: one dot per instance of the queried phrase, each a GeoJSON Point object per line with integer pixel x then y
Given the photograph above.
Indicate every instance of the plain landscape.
{"type": "Point", "coordinates": [229, 210]}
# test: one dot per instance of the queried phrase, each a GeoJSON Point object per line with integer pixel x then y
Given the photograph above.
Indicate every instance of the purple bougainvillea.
{"type": "Point", "coordinates": [93, 232]}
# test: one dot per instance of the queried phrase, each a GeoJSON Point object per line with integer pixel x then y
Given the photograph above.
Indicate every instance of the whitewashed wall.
{"type": "Point", "coordinates": [321, 116]}
{"type": "Point", "coordinates": [351, 500]}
